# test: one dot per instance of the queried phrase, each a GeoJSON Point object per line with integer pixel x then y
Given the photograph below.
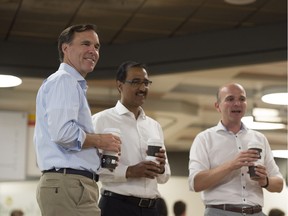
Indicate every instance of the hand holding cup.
{"type": "Point", "coordinates": [154, 146]}
{"type": "Point", "coordinates": [109, 158]}
{"type": "Point", "coordinates": [258, 147]}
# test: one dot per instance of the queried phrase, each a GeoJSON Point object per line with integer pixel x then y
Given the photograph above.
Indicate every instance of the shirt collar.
{"type": "Point", "coordinates": [73, 72]}
{"type": "Point", "coordinates": [121, 109]}
{"type": "Point", "coordinates": [220, 127]}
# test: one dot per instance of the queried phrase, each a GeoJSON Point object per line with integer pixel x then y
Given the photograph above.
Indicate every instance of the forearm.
{"type": "Point", "coordinates": [92, 141]}
{"type": "Point", "coordinates": [106, 142]}
{"type": "Point", "coordinates": [209, 178]}
{"type": "Point", "coordinates": [275, 184]}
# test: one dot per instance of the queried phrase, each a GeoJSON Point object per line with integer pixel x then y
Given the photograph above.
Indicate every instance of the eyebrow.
{"type": "Point", "coordinates": [90, 42]}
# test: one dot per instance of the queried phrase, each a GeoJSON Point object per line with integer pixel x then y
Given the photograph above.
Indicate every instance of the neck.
{"type": "Point", "coordinates": [136, 113]}
{"type": "Point", "coordinates": [134, 110]}
{"type": "Point", "coordinates": [231, 126]}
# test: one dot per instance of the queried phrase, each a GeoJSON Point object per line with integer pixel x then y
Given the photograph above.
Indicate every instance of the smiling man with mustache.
{"type": "Point", "coordinates": [132, 188]}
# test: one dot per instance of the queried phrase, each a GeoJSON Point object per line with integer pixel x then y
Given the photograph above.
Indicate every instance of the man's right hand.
{"type": "Point", "coordinates": [146, 169]}
{"type": "Point", "coordinates": [106, 142]}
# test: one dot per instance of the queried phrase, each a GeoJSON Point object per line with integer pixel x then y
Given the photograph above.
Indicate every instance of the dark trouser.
{"type": "Point", "coordinates": [111, 206]}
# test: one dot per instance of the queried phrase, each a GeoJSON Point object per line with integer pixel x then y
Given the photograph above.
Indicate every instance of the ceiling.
{"type": "Point", "coordinates": [191, 47]}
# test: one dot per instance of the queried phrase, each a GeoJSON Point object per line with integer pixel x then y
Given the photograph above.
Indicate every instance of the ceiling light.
{"type": "Point", "coordinates": [250, 123]}
{"type": "Point", "coordinates": [280, 153]}
{"type": "Point", "coordinates": [240, 2]}
{"type": "Point", "coordinates": [265, 114]}
{"type": "Point", "coordinates": [275, 95]}
{"type": "Point", "coordinates": [9, 81]}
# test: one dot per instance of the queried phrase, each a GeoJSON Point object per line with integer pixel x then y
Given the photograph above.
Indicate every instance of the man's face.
{"type": "Point", "coordinates": [232, 104]}
{"type": "Point", "coordinates": [133, 96]}
{"type": "Point", "coordinates": [83, 52]}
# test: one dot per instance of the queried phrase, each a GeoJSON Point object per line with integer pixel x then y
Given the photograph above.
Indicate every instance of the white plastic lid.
{"type": "Point", "coordinates": [154, 142]}
{"type": "Point", "coordinates": [255, 145]}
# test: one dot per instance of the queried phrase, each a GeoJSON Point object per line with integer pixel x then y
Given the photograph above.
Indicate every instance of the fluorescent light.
{"type": "Point", "coordinates": [265, 112]}
{"type": "Point", "coordinates": [276, 98]}
{"type": "Point", "coordinates": [268, 119]}
{"type": "Point", "coordinates": [280, 153]}
{"type": "Point", "coordinates": [266, 115]}
{"type": "Point", "coordinates": [275, 95]}
{"type": "Point", "coordinates": [250, 123]}
{"type": "Point", "coordinates": [9, 81]}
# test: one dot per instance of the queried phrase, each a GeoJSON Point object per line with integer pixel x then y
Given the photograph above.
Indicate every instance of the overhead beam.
{"type": "Point", "coordinates": [199, 51]}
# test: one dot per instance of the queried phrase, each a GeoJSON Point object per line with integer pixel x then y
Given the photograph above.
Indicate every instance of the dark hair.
{"type": "Point", "coordinates": [17, 212]}
{"type": "Point", "coordinates": [179, 208]}
{"type": "Point", "coordinates": [124, 67]}
{"type": "Point", "coordinates": [67, 35]}
{"type": "Point", "coordinates": [276, 212]}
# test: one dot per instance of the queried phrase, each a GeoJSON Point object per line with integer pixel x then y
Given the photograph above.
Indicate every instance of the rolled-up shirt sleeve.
{"type": "Point", "coordinates": [198, 160]}
{"type": "Point", "coordinates": [62, 113]}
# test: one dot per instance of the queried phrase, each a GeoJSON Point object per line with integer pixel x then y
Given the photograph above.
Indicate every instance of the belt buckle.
{"type": "Point", "coordinates": [247, 210]}
{"type": "Point", "coordinates": [107, 193]}
{"type": "Point", "coordinates": [145, 203]}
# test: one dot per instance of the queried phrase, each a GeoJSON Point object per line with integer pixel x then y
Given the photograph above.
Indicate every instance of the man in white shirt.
{"type": "Point", "coordinates": [219, 160]}
{"type": "Point", "coordinates": [131, 189]}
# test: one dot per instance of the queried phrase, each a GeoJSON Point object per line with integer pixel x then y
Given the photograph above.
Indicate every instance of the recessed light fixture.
{"type": "Point", "coordinates": [276, 98]}
{"type": "Point", "coordinates": [266, 114]}
{"type": "Point", "coordinates": [250, 123]}
{"type": "Point", "coordinates": [9, 81]}
{"type": "Point", "coordinates": [240, 2]}
{"type": "Point", "coordinates": [277, 95]}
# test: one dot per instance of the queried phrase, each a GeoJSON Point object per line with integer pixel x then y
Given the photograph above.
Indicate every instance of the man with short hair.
{"type": "Point", "coordinates": [132, 188]}
{"type": "Point", "coordinates": [219, 161]}
{"type": "Point", "coordinates": [65, 140]}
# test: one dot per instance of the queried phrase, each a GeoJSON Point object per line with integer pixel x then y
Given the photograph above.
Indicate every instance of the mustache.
{"type": "Point", "coordinates": [141, 92]}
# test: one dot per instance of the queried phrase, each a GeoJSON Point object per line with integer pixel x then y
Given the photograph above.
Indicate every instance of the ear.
{"type": "Point", "coordinates": [64, 47]}
{"type": "Point", "coordinates": [119, 86]}
{"type": "Point", "coordinates": [216, 105]}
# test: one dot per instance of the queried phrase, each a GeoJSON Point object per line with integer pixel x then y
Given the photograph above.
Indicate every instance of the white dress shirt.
{"type": "Point", "coordinates": [134, 136]}
{"type": "Point", "coordinates": [214, 147]}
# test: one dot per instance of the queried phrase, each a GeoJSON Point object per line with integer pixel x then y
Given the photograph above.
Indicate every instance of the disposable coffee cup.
{"type": "Point", "coordinates": [258, 147]}
{"type": "Point", "coordinates": [109, 158]}
{"type": "Point", "coordinates": [154, 146]}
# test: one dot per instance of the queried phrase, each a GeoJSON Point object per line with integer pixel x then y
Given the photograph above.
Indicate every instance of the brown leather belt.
{"type": "Point", "coordinates": [239, 209]}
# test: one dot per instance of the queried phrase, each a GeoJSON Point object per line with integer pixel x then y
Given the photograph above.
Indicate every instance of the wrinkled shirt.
{"type": "Point", "coordinates": [134, 136]}
{"type": "Point", "coordinates": [215, 146]}
{"type": "Point", "coordinates": [63, 118]}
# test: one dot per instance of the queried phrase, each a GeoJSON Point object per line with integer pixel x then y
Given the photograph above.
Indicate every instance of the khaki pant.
{"type": "Point", "coordinates": [67, 195]}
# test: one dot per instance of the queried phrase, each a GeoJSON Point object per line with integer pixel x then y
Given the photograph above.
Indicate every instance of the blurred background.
{"type": "Point", "coordinates": [191, 47]}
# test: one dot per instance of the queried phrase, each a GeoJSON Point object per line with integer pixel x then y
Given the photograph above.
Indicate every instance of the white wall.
{"type": "Point", "coordinates": [177, 189]}
{"type": "Point", "coordinates": [22, 195]}
{"type": "Point", "coordinates": [19, 195]}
